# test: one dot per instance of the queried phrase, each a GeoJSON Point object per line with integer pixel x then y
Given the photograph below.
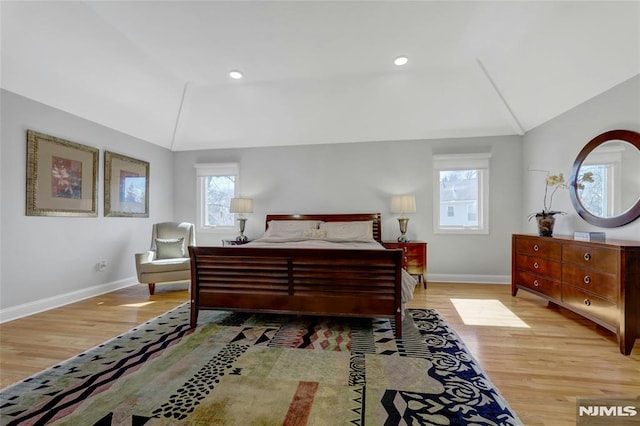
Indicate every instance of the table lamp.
{"type": "Point", "coordinates": [241, 206]}
{"type": "Point", "coordinates": [403, 204]}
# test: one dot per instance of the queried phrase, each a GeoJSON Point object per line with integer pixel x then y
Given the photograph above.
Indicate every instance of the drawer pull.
{"type": "Point", "coordinates": [535, 265]}
{"type": "Point", "coordinates": [536, 283]}
{"type": "Point", "coordinates": [536, 247]}
{"type": "Point", "coordinates": [587, 279]}
{"type": "Point", "coordinates": [405, 249]}
{"type": "Point", "coordinates": [587, 257]}
{"type": "Point", "coordinates": [587, 302]}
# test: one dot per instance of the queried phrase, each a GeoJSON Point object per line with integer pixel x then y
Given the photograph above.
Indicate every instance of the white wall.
{"type": "Point", "coordinates": [362, 177]}
{"type": "Point", "coordinates": [47, 261]}
{"type": "Point", "coordinates": [555, 145]}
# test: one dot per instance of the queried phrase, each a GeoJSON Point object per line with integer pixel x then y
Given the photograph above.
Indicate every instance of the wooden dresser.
{"type": "Point", "coordinates": [598, 280]}
{"type": "Point", "coordinates": [414, 259]}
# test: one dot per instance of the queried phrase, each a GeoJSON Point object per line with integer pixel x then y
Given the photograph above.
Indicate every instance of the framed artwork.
{"type": "Point", "coordinates": [126, 186]}
{"type": "Point", "coordinates": [61, 177]}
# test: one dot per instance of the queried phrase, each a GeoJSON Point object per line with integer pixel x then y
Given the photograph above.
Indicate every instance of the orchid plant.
{"type": "Point", "coordinates": [557, 182]}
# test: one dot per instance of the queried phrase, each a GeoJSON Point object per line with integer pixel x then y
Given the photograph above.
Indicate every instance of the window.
{"type": "Point", "coordinates": [461, 196]}
{"type": "Point", "coordinates": [594, 196]}
{"type": "Point", "coordinates": [602, 196]}
{"type": "Point", "coordinates": [217, 185]}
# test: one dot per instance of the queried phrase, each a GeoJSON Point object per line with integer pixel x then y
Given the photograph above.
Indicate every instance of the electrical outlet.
{"type": "Point", "coordinates": [102, 265]}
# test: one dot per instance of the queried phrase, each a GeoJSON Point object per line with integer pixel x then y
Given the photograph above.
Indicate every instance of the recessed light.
{"type": "Point", "coordinates": [237, 75]}
{"type": "Point", "coordinates": [401, 60]}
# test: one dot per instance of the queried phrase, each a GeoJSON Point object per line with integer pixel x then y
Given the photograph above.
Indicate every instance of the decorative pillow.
{"type": "Point", "coordinates": [314, 233]}
{"type": "Point", "coordinates": [290, 228]}
{"type": "Point", "coordinates": [169, 248]}
{"type": "Point", "coordinates": [356, 231]}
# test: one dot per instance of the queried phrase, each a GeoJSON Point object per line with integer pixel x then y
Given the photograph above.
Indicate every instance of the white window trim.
{"type": "Point", "coordinates": [479, 161]}
{"type": "Point", "coordinates": [213, 169]}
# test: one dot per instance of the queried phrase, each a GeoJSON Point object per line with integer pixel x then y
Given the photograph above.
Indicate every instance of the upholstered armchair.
{"type": "Point", "coordinates": [168, 259]}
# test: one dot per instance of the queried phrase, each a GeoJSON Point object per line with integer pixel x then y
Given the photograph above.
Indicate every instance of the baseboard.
{"type": "Point", "coordinates": [464, 278]}
{"type": "Point", "coordinates": [26, 309]}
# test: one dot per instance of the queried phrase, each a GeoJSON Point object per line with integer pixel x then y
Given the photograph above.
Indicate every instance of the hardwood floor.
{"type": "Point", "coordinates": [540, 364]}
{"type": "Point", "coordinates": [541, 368]}
{"type": "Point", "coordinates": [31, 344]}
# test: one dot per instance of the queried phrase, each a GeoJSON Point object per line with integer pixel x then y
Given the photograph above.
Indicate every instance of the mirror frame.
{"type": "Point", "coordinates": [605, 222]}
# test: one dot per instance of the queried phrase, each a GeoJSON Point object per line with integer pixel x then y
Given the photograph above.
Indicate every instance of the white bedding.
{"type": "Point", "coordinates": [408, 282]}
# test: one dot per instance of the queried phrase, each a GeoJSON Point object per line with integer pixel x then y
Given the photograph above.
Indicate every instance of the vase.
{"type": "Point", "coordinates": [545, 225]}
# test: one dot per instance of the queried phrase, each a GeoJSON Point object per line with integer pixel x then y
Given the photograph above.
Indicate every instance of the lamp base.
{"type": "Point", "coordinates": [242, 238]}
{"type": "Point", "coordinates": [403, 221]}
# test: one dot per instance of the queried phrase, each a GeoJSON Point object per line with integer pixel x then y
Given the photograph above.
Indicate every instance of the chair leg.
{"type": "Point", "coordinates": [152, 288]}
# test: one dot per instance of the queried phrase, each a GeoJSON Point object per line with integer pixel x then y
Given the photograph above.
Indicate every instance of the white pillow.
{"type": "Point", "coordinates": [315, 233]}
{"type": "Point", "coordinates": [356, 231]}
{"type": "Point", "coordinates": [169, 248]}
{"type": "Point", "coordinates": [290, 228]}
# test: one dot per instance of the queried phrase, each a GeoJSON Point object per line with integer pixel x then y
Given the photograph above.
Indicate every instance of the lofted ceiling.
{"type": "Point", "coordinates": [316, 72]}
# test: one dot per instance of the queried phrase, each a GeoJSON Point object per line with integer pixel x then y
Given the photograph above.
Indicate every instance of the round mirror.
{"type": "Point", "coordinates": [605, 179]}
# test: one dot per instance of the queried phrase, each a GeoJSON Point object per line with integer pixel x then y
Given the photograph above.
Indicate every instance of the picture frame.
{"type": "Point", "coordinates": [126, 186]}
{"type": "Point", "coordinates": [61, 177]}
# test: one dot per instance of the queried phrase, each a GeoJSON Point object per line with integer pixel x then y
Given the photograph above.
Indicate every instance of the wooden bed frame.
{"type": "Point", "coordinates": [340, 282]}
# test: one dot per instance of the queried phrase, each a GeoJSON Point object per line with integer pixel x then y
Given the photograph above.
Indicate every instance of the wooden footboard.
{"type": "Point", "coordinates": [359, 283]}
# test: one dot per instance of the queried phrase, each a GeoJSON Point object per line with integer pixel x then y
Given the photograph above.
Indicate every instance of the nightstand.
{"type": "Point", "coordinates": [233, 243]}
{"type": "Point", "coordinates": [414, 260]}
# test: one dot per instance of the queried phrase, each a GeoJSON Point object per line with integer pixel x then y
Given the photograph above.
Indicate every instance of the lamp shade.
{"type": "Point", "coordinates": [403, 204]}
{"type": "Point", "coordinates": [241, 205]}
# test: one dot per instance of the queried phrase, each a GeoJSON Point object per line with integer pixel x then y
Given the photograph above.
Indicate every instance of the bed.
{"type": "Point", "coordinates": [322, 264]}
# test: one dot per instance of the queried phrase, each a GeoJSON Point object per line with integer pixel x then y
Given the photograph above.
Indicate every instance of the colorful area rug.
{"type": "Point", "coordinates": [248, 369]}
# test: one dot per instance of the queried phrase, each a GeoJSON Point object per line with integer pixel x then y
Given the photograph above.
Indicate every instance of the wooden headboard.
{"type": "Point", "coordinates": [344, 217]}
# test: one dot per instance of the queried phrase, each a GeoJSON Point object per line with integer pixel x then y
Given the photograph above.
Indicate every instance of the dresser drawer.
{"type": "Point", "coordinates": [409, 249]}
{"type": "Point", "coordinates": [590, 304]}
{"type": "Point", "coordinates": [539, 284]}
{"type": "Point", "coordinates": [415, 269]}
{"type": "Point", "coordinates": [414, 258]}
{"type": "Point", "coordinates": [601, 284]}
{"type": "Point", "coordinates": [589, 256]}
{"type": "Point", "coordinates": [414, 255]}
{"type": "Point", "coordinates": [540, 266]}
{"type": "Point", "coordinates": [541, 247]}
